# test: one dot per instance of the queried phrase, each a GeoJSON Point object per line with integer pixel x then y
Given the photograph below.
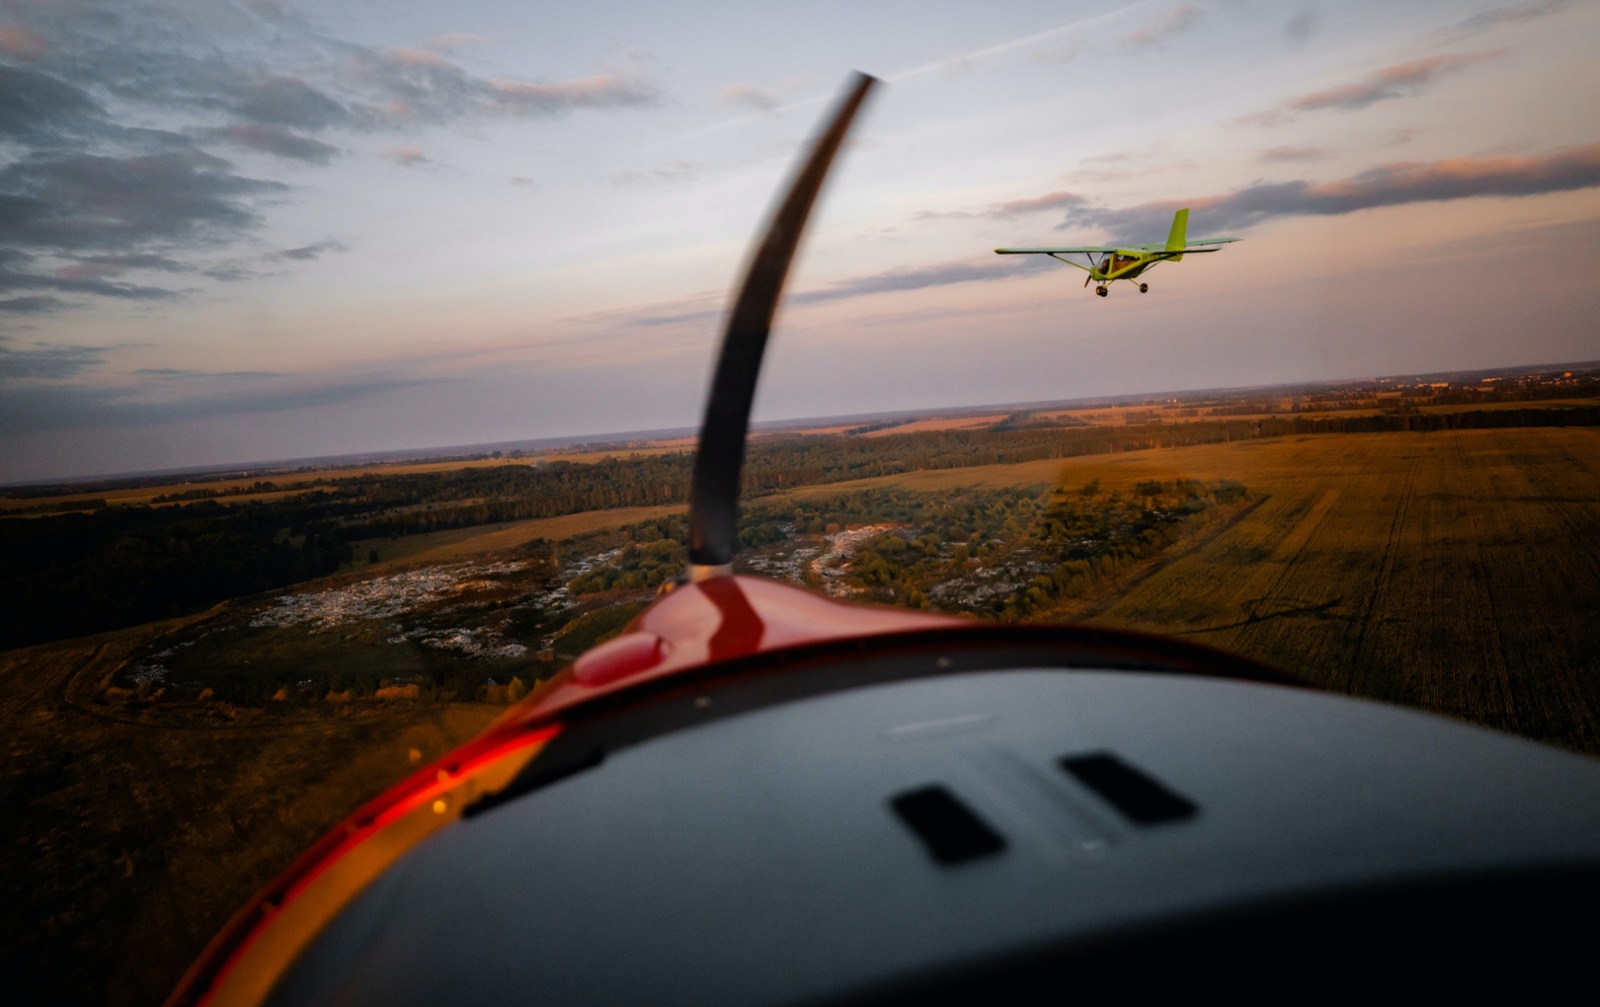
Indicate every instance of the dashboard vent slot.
{"type": "Point", "coordinates": [952, 832]}
{"type": "Point", "coordinates": [1140, 797]}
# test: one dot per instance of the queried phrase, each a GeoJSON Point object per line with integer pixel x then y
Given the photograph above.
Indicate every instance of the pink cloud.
{"type": "Point", "coordinates": [748, 94]}
{"type": "Point", "coordinates": [1396, 81]}
{"type": "Point", "coordinates": [406, 157]}
{"type": "Point", "coordinates": [1010, 208]}
{"type": "Point", "coordinates": [21, 41]}
{"type": "Point", "coordinates": [452, 41]}
{"type": "Point", "coordinates": [416, 57]}
{"type": "Point", "coordinates": [1174, 22]}
{"type": "Point", "coordinates": [1275, 155]}
{"type": "Point", "coordinates": [583, 92]}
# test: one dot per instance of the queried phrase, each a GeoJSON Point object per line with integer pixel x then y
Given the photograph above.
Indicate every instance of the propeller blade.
{"type": "Point", "coordinates": [714, 494]}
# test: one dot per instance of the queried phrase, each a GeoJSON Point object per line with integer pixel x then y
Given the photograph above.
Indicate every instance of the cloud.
{"type": "Point", "coordinates": [275, 141]}
{"type": "Point", "coordinates": [178, 372]}
{"type": "Point", "coordinates": [281, 100]}
{"type": "Point", "coordinates": [1277, 155]}
{"type": "Point", "coordinates": [418, 57]}
{"type": "Point", "coordinates": [1495, 17]}
{"type": "Point", "coordinates": [1298, 29]}
{"type": "Point", "coordinates": [1049, 201]}
{"type": "Point", "coordinates": [1391, 82]}
{"type": "Point", "coordinates": [692, 310]}
{"type": "Point", "coordinates": [677, 171]}
{"type": "Point", "coordinates": [307, 253]}
{"type": "Point", "coordinates": [96, 266]}
{"type": "Point", "coordinates": [81, 200]}
{"type": "Point", "coordinates": [101, 194]}
{"type": "Point", "coordinates": [748, 94]}
{"type": "Point", "coordinates": [34, 406]}
{"type": "Point", "coordinates": [36, 108]}
{"type": "Point", "coordinates": [79, 180]}
{"type": "Point", "coordinates": [451, 42]}
{"type": "Point", "coordinates": [70, 280]}
{"type": "Point", "coordinates": [1385, 185]}
{"type": "Point", "coordinates": [21, 42]}
{"type": "Point", "coordinates": [918, 278]}
{"type": "Point", "coordinates": [1174, 22]}
{"type": "Point", "coordinates": [33, 304]}
{"type": "Point", "coordinates": [1011, 208]}
{"type": "Point", "coordinates": [676, 318]}
{"type": "Point", "coordinates": [48, 363]}
{"type": "Point", "coordinates": [402, 88]}
{"type": "Point", "coordinates": [406, 157]}
{"type": "Point", "coordinates": [231, 273]}
{"type": "Point", "coordinates": [599, 91]}
{"type": "Point", "coordinates": [672, 171]}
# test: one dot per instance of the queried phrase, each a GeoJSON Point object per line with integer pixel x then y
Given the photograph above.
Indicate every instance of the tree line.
{"type": "Point", "coordinates": [83, 573]}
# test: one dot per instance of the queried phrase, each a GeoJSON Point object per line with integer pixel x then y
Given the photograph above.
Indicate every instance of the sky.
{"type": "Point", "coordinates": [242, 231]}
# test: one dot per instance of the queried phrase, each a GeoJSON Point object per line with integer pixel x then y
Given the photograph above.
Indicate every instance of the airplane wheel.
{"type": "Point", "coordinates": [1101, 291]}
{"type": "Point", "coordinates": [1144, 288]}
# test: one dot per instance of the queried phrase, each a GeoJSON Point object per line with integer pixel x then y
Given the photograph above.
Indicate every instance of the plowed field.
{"type": "Point", "coordinates": [1456, 572]}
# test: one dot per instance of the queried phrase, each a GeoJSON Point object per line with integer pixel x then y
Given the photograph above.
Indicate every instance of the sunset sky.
{"type": "Point", "coordinates": [235, 232]}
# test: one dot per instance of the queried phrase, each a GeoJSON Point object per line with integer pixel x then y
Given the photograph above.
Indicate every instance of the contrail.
{"type": "Point", "coordinates": [917, 71]}
{"type": "Point", "coordinates": [1017, 43]}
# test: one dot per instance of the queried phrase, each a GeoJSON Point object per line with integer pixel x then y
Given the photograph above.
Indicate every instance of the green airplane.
{"type": "Point", "coordinates": [1108, 264]}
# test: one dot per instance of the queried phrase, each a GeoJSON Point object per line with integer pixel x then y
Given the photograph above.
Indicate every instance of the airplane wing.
{"type": "Point", "coordinates": [1054, 251]}
{"type": "Point", "coordinates": [1175, 253]}
{"type": "Point", "coordinates": [1191, 247]}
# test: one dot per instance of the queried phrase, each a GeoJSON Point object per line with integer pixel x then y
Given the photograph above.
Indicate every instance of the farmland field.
{"type": "Point", "coordinates": [1454, 571]}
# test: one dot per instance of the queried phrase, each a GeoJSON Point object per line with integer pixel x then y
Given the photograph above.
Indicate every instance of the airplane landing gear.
{"type": "Point", "coordinates": [1101, 291]}
{"type": "Point", "coordinates": [1144, 288]}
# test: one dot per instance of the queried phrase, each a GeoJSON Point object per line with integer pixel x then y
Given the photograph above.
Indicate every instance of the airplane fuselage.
{"type": "Point", "coordinates": [1118, 267]}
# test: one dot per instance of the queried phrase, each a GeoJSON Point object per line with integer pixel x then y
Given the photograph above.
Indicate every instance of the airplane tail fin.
{"type": "Point", "coordinates": [1180, 232]}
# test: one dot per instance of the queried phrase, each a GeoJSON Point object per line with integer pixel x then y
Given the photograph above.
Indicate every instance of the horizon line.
{"type": "Point", "coordinates": [599, 441]}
